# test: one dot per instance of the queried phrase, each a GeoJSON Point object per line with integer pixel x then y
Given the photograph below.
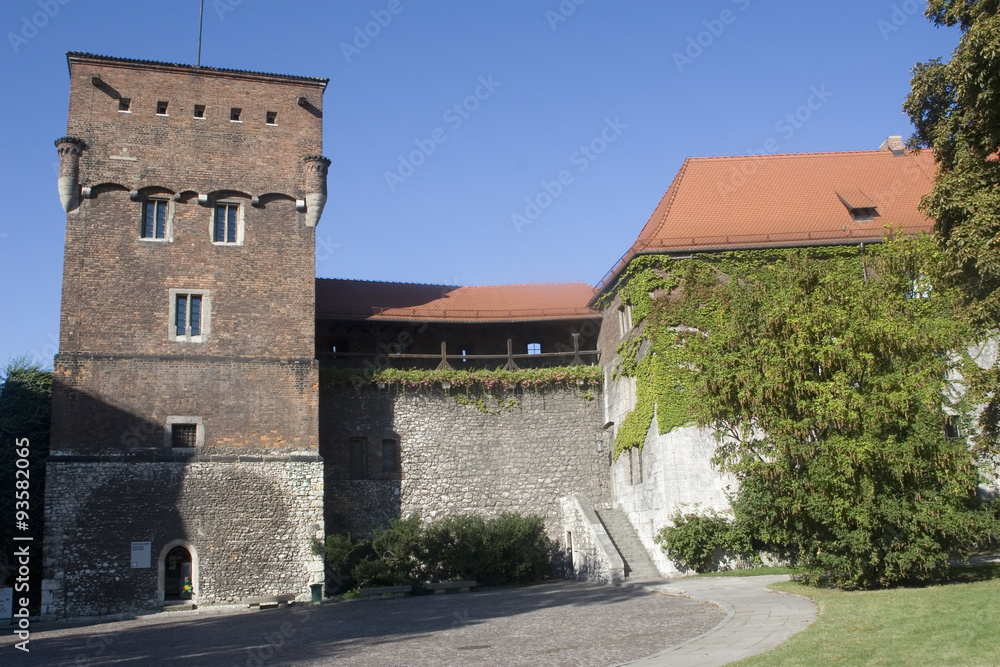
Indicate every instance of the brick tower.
{"type": "Point", "coordinates": [184, 420]}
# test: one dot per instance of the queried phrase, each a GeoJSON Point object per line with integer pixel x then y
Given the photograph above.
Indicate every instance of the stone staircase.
{"type": "Point", "coordinates": [638, 565]}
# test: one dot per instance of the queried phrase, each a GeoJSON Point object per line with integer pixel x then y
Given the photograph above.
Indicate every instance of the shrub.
{"type": "Point", "coordinates": [518, 549]}
{"type": "Point", "coordinates": [507, 549]}
{"type": "Point", "coordinates": [701, 542]}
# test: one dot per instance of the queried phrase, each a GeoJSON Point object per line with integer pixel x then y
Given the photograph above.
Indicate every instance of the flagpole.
{"type": "Point", "coordinates": [201, 16]}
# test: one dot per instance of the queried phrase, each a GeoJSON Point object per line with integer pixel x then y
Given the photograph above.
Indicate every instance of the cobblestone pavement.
{"type": "Point", "coordinates": [560, 623]}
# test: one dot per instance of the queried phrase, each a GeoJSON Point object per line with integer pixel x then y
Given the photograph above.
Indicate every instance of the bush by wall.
{"type": "Point", "coordinates": [510, 548]}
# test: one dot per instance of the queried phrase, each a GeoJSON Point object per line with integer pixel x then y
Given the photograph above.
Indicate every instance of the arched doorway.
{"type": "Point", "coordinates": [178, 572]}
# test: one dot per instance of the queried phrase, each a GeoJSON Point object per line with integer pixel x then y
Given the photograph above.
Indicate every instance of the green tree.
{"type": "Point", "coordinates": [25, 409]}
{"type": "Point", "coordinates": [955, 108]}
{"type": "Point", "coordinates": [825, 373]}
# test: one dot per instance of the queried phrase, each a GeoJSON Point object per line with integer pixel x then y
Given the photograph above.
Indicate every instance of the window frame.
{"type": "Point", "coordinates": [206, 316]}
{"type": "Point", "coordinates": [240, 224]}
{"type": "Point", "coordinates": [625, 323]}
{"type": "Point", "coordinates": [357, 459]}
{"type": "Point", "coordinates": [168, 223]}
{"type": "Point", "coordinates": [390, 464]}
{"type": "Point", "coordinates": [168, 436]}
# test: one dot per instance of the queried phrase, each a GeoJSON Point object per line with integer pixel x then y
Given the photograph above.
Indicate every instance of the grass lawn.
{"type": "Point", "coordinates": [753, 572]}
{"type": "Point", "coordinates": [946, 624]}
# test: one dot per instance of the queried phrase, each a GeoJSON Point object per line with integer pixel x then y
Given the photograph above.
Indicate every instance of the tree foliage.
{"type": "Point", "coordinates": [955, 108]}
{"type": "Point", "coordinates": [828, 375]}
{"type": "Point", "coordinates": [25, 408]}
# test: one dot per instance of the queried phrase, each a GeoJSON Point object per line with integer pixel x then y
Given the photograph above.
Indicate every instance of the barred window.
{"type": "Point", "coordinates": [184, 435]}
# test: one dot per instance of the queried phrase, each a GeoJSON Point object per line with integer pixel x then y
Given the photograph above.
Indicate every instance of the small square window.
{"type": "Point", "coordinates": [234, 114]}
{"type": "Point", "coordinates": [183, 435]}
{"type": "Point", "coordinates": [184, 432]}
{"type": "Point", "coordinates": [272, 117]}
{"type": "Point", "coordinates": [199, 111]}
{"type": "Point", "coordinates": [124, 103]}
{"type": "Point", "coordinates": [161, 108]}
{"type": "Point", "coordinates": [189, 315]}
{"type": "Point", "coordinates": [155, 214]}
{"type": "Point", "coordinates": [227, 225]}
{"type": "Point", "coordinates": [534, 348]}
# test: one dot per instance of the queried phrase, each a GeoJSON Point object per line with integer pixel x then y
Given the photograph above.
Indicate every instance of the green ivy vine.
{"type": "Point", "coordinates": [478, 388]}
{"type": "Point", "coordinates": [682, 305]}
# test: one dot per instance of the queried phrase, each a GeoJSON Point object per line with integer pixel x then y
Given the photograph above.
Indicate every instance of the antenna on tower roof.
{"type": "Point", "coordinates": [201, 16]}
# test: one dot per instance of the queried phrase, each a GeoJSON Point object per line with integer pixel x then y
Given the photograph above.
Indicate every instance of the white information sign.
{"type": "Point", "coordinates": [141, 554]}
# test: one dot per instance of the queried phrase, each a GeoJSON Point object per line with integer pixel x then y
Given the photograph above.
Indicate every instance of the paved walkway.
{"type": "Point", "coordinates": [757, 619]}
{"type": "Point", "coordinates": [557, 623]}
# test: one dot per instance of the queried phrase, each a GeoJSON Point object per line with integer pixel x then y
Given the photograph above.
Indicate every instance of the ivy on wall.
{"type": "Point", "coordinates": [785, 338]}
{"type": "Point", "coordinates": [471, 387]}
{"type": "Point", "coordinates": [829, 376]}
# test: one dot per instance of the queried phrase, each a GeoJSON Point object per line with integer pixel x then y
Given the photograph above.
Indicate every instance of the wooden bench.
{"type": "Point", "coordinates": [389, 591]}
{"type": "Point", "coordinates": [442, 587]}
{"type": "Point", "coordinates": [270, 601]}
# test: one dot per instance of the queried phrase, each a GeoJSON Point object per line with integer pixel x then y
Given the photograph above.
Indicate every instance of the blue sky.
{"type": "Point", "coordinates": [450, 122]}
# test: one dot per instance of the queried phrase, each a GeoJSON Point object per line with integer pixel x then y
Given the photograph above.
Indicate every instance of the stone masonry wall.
{"type": "Point", "coordinates": [456, 459]}
{"type": "Point", "coordinates": [248, 522]}
{"type": "Point", "coordinates": [672, 471]}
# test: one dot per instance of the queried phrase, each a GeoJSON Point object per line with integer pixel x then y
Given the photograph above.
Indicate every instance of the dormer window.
{"type": "Point", "coordinates": [859, 205]}
{"type": "Point", "coordinates": [865, 214]}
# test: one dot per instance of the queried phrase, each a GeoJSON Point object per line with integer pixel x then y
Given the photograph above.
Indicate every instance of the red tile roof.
{"type": "Point", "coordinates": [726, 203]}
{"type": "Point", "coordinates": [406, 302]}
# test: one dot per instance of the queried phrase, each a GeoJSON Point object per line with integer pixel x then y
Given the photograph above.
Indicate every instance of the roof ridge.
{"type": "Point", "coordinates": [754, 156]}
{"type": "Point", "coordinates": [671, 192]}
{"type": "Point", "coordinates": [197, 68]}
{"type": "Point", "coordinates": [385, 282]}
{"type": "Point", "coordinates": [393, 282]}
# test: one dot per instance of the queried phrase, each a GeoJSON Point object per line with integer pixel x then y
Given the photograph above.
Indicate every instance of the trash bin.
{"type": "Point", "coordinates": [317, 592]}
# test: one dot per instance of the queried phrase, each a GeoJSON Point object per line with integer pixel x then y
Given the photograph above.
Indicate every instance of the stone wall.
{"type": "Point", "coordinates": [672, 471]}
{"type": "Point", "coordinates": [592, 554]}
{"type": "Point", "coordinates": [248, 523]}
{"type": "Point", "coordinates": [457, 459]}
